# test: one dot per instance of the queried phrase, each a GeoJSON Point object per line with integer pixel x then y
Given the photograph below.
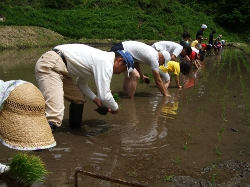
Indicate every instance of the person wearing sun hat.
{"type": "Point", "coordinates": [23, 125]}
{"type": "Point", "coordinates": [54, 71]}
{"type": "Point", "coordinates": [142, 54]}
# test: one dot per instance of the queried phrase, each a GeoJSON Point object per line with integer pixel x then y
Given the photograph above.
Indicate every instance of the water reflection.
{"type": "Point", "coordinates": [19, 64]}
{"type": "Point", "coordinates": [170, 107]}
{"type": "Point", "coordinates": [145, 125]}
{"type": "Point", "coordinates": [193, 78]}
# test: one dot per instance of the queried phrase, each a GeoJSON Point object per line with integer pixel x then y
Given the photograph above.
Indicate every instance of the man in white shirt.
{"type": "Point", "coordinates": [142, 54]}
{"type": "Point", "coordinates": [173, 48]}
{"type": "Point", "coordinates": [55, 68]}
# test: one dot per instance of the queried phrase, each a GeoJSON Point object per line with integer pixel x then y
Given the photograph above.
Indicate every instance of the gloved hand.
{"type": "Point", "coordinates": [103, 110]}
{"type": "Point", "coordinates": [3, 168]}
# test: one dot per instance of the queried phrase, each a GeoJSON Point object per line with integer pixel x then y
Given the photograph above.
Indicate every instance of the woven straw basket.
{"type": "Point", "coordinates": [23, 125]}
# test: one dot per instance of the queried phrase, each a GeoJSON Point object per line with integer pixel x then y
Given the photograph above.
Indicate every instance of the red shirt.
{"type": "Point", "coordinates": [204, 46]}
{"type": "Point", "coordinates": [193, 55]}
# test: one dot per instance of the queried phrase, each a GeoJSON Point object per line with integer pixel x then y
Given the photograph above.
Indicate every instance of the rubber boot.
{"type": "Point", "coordinates": [75, 115]}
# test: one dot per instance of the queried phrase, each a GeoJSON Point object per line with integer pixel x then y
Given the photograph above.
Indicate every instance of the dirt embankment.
{"type": "Point", "coordinates": [12, 37]}
{"type": "Point", "coordinates": [16, 37]}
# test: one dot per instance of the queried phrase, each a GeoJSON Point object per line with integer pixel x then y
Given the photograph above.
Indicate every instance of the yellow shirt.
{"type": "Point", "coordinates": [172, 66]}
{"type": "Point", "coordinates": [195, 44]}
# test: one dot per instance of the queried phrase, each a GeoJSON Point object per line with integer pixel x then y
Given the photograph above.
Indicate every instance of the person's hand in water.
{"type": "Point", "coordinates": [103, 110]}
{"type": "Point", "coordinates": [146, 79]}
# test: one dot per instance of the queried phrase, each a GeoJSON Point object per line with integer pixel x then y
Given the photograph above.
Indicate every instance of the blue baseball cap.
{"type": "Point", "coordinates": [128, 59]}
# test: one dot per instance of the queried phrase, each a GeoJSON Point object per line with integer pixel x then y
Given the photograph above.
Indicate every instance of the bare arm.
{"type": "Point", "coordinates": [143, 77]}
{"type": "Point", "coordinates": [159, 83]}
{"type": "Point", "coordinates": [187, 58]}
{"type": "Point", "coordinates": [177, 81]}
{"type": "Point", "coordinates": [173, 57]}
{"type": "Point", "coordinates": [138, 68]}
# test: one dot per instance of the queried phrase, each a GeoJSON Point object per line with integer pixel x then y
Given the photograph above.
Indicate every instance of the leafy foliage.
{"type": "Point", "coordinates": [231, 14]}
{"type": "Point", "coordinates": [117, 19]}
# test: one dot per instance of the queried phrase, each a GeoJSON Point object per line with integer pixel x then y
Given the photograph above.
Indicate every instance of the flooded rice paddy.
{"type": "Point", "coordinates": [198, 137]}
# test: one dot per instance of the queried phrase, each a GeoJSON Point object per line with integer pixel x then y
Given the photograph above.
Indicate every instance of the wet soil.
{"type": "Point", "coordinates": [198, 137]}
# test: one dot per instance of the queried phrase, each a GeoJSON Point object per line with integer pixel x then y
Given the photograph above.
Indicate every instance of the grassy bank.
{"type": "Point", "coordinates": [113, 19]}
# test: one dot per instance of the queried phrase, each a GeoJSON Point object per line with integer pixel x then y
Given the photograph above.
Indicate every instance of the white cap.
{"type": "Point", "coordinates": [166, 56]}
{"type": "Point", "coordinates": [203, 26]}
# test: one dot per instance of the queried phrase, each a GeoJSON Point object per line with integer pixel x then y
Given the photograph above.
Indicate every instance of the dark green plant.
{"type": "Point", "coordinates": [116, 97]}
{"type": "Point", "coordinates": [27, 169]}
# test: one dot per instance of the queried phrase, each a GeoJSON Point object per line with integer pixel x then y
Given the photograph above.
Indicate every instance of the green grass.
{"type": "Point", "coordinates": [114, 19]}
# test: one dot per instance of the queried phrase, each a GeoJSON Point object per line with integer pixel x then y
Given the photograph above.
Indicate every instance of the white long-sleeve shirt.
{"type": "Point", "coordinates": [171, 47]}
{"type": "Point", "coordinates": [142, 53]}
{"type": "Point", "coordinates": [86, 62]}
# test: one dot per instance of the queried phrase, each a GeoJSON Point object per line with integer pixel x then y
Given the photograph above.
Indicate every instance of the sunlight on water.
{"type": "Point", "coordinates": [59, 149]}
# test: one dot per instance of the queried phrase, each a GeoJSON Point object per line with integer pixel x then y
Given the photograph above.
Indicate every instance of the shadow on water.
{"type": "Point", "coordinates": [89, 128]}
{"type": "Point", "coordinates": [197, 137]}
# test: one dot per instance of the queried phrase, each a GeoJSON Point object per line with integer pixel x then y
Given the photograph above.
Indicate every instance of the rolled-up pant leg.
{"type": "Point", "coordinates": [50, 72]}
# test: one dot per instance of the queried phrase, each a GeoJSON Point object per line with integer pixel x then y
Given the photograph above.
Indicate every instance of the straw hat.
{"type": "Point", "coordinates": [23, 125]}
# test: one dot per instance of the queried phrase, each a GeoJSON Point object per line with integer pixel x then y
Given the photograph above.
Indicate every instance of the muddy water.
{"type": "Point", "coordinates": [198, 137]}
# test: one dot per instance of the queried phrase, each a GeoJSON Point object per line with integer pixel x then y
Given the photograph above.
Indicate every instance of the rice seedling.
{"type": "Point", "coordinates": [177, 160]}
{"type": "Point", "coordinates": [219, 136]}
{"type": "Point", "coordinates": [217, 149]}
{"type": "Point", "coordinates": [25, 170]}
{"type": "Point", "coordinates": [185, 146]}
{"type": "Point", "coordinates": [116, 97]}
{"type": "Point", "coordinates": [248, 122]}
{"type": "Point", "coordinates": [201, 109]}
{"type": "Point", "coordinates": [214, 165]}
{"type": "Point", "coordinates": [213, 179]}
{"type": "Point", "coordinates": [222, 130]}
{"type": "Point", "coordinates": [168, 178]}
{"type": "Point", "coordinates": [132, 174]}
